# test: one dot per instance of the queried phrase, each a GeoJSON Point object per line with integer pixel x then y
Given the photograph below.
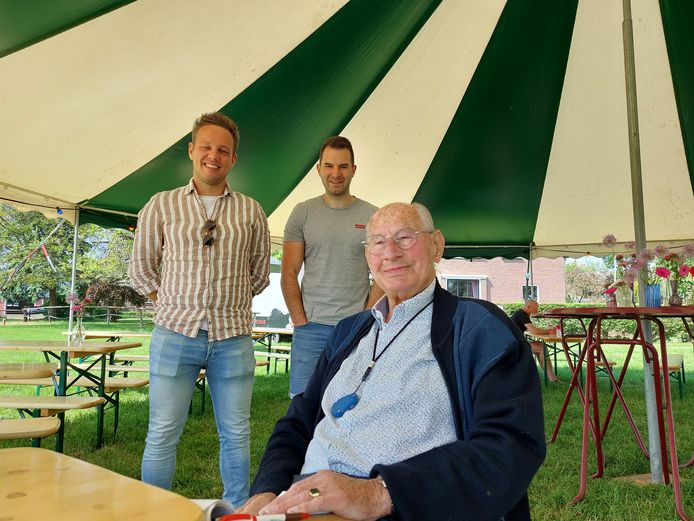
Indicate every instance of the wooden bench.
{"type": "Point", "coordinates": [675, 370]}
{"type": "Point", "coordinates": [50, 405]}
{"type": "Point", "coordinates": [130, 358]}
{"type": "Point", "coordinates": [23, 428]}
{"type": "Point", "coordinates": [26, 370]}
{"type": "Point", "coordinates": [268, 355]}
{"type": "Point", "coordinates": [112, 388]}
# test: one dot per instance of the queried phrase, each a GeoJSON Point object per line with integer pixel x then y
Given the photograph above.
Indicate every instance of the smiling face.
{"type": "Point", "coordinates": [336, 171]}
{"type": "Point", "coordinates": [402, 274]}
{"type": "Point", "coordinates": [212, 154]}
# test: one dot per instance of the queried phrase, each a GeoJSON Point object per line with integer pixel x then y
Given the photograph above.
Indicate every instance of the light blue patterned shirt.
{"type": "Point", "coordinates": [404, 408]}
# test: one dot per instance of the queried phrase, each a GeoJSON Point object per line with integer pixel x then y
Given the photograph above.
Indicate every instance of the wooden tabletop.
{"type": "Point", "coordinates": [664, 311]}
{"type": "Point", "coordinates": [87, 348]}
{"type": "Point", "coordinates": [27, 370]}
{"type": "Point", "coordinates": [112, 334]}
{"type": "Point", "coordinates": [40, 484]}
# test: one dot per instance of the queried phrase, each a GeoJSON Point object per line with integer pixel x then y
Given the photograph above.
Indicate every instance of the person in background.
{"type": "Point", "coordinates": [201, 253]}
{"type": "Point", "coordinates": [424, 407]}
{"type": "Point", "coordinates": [521, 317]}
{"type": "Point", "coordinates": [324, 236]}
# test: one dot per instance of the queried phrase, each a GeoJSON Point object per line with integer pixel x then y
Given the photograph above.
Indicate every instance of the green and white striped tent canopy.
{"type": "Point", "coordinates": [506, 118]}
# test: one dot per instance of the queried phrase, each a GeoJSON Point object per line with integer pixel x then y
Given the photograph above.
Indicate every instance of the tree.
{"type": "Point", "coordinates": [585, 282]}
{"type": "Point", "coordinates": [102, 256]}
{"type": "Point", "coordinates": [20, 233]}
{"type": "Point", "coordinates": [107, 258]}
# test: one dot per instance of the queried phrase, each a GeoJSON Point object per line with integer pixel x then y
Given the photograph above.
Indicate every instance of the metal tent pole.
{"type": "Point", "coordinates": [73, 274]}
{"type": "Point", "coordinates": [640, 231]}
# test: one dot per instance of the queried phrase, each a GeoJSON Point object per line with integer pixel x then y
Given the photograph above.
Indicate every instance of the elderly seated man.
{"type": "Point", "coordinates": [521, 318]}
{"type": "Point", "coordinates": [422, 408]}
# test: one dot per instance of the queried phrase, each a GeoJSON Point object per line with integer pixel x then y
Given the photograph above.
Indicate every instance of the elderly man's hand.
{"type": "Point", "coordinates": [255, 503]}
{"type": "Point", "coordinates": [327, 491]}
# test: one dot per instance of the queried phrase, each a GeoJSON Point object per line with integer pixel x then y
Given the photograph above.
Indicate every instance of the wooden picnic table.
{"type": "Point", "coordinates": [95, 372]}
{"type": "Point", "coordinates": [37, 483]}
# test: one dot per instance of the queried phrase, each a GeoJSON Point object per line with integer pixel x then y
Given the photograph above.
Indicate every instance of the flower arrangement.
{"type": "Point", "coordinates": [660, 263]}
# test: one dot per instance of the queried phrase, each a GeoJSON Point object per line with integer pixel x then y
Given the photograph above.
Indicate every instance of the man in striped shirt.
{"type": "Point", "coordinates": [201, 253]}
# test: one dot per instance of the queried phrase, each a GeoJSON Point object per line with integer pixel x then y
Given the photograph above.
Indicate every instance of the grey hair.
{"type": "Point", "coordinates": [425, 217]}
{"type": "Point", "coordinates": [422, 212]}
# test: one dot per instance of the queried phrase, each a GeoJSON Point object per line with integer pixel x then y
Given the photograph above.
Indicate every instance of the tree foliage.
{"type": "Point", "coordinates": [102, 256]}
{"type": "Point", "coordinates": [586, 282]}
{"type": "Point", "coordinates": [109, 294]}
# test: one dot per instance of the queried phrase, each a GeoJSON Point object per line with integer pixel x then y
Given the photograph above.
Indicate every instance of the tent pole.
{"type": "Point", "coordinates": [640, 230]}
{"type": "Point", "coordinates": [73, 274]}
{"type": "Point", "coordinates": [530, 271]}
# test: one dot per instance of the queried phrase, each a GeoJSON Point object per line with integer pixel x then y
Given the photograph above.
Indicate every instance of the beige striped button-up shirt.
{"type": "Point", "coordinates": [196, 282]}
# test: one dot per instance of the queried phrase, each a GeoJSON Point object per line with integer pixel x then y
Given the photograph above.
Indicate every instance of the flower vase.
{"type": "Point", "coordinates": [624, 298]}
{"type": "Point", "coordinates": [653, 296]}
{"type": "Point", "coordinates": [611, 301]}
{"type": "Point", "coordinates": [675, 299]}
{"type": "Point", "coordinates": [77, 336]}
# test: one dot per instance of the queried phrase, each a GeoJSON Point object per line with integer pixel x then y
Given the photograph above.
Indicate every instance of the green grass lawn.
{"type": "Point", "coordinates": [555, 485]}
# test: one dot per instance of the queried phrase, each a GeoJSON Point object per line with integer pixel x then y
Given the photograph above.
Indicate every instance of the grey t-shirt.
{"type": "Point", "coordinates": [336, 276]}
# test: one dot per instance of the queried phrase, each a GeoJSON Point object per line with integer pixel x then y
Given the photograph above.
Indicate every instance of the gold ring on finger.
{"type": "Point", "coordinates": [314, 492]}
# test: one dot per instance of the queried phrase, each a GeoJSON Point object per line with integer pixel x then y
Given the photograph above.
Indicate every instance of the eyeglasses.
{"type": "Point", "coordinates": [208, 228]}
{"type": "Point", "coordinates": [404, 239]}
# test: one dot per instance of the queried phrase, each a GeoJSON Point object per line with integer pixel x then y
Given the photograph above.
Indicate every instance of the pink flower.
{"type": "Point", "coordinates": [691, 271]}
{"type": "Point", "coordinates": [684, 270]}
{"type": "Point", "coordinates": [631, 245]}
{"type": "Point", "coordinates": [610, 291]}
{"type": "Point", "coordinates": [608, 241]}
{"type": "Point", "coordinates": [77, 308]}
{"type": "Point", "coordinates": [72, 298]}
{"type": "Point", "coordinates": [662, 272]}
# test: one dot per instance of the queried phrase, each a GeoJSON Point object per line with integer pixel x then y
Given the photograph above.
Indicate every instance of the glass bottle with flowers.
{"type": "Point", "coordinates": [673, 267]}
{"type": "Point", "coordinates": [77, 307]}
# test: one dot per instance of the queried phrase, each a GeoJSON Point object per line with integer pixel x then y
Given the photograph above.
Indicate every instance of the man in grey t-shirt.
{"type": "Point", "coordinates": [324, 234]}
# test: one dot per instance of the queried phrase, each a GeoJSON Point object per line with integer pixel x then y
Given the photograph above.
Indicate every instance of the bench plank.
{"type": "Point", "coordinates": [16, 429]}
{"type": "Point", "coordinates": [279, 356]}
{"type": "Point", "coordinates": [50, 405]}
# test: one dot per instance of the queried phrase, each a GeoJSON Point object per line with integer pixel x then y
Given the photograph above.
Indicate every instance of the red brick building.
{"type": "Point", "coordinates": [501, 280]}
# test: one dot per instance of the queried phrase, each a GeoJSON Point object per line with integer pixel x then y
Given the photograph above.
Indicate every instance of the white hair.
{"type": "Point", "coordinates": [422, 212]}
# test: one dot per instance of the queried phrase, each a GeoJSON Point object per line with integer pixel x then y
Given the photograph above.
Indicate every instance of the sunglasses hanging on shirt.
{"type": "Point", "coordinates": [208, 228]}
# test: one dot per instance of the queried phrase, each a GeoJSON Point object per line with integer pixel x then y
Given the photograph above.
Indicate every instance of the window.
{"type": "Point", "coordinates": [464, 287]}
{"type": "Point", "coordinates": [530, 292]}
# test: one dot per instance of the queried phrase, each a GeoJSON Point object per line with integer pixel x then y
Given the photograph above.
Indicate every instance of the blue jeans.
{"type": "Point", "coordinates": [175, 362]}
{"type": "Point", "coordinates": [308, 342]}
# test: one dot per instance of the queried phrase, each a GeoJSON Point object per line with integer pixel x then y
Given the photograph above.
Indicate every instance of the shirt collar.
{"type": "Point", "coordinates": [190, 188]}
{"type": "Point", "coordinates": [405, 310]}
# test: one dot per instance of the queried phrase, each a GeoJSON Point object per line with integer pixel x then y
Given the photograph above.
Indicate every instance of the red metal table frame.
{"type": "Point", "coordinates": [592, 348]}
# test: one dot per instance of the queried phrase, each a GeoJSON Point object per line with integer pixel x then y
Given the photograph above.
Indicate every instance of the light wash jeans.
{"type": "Point", "coordinates": [175, 361]}
{"type": "Point", "coordinates": [308, 342]}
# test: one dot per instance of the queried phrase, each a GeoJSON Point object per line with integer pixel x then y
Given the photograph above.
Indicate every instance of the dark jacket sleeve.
{"type": "Point", "coordinates": [485, 475]}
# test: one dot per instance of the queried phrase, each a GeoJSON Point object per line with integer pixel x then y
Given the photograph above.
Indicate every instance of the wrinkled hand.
{"type": "Point", "coordinates": [353, 498]}
{"type": "Point", "coordinates": [255, 503]}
